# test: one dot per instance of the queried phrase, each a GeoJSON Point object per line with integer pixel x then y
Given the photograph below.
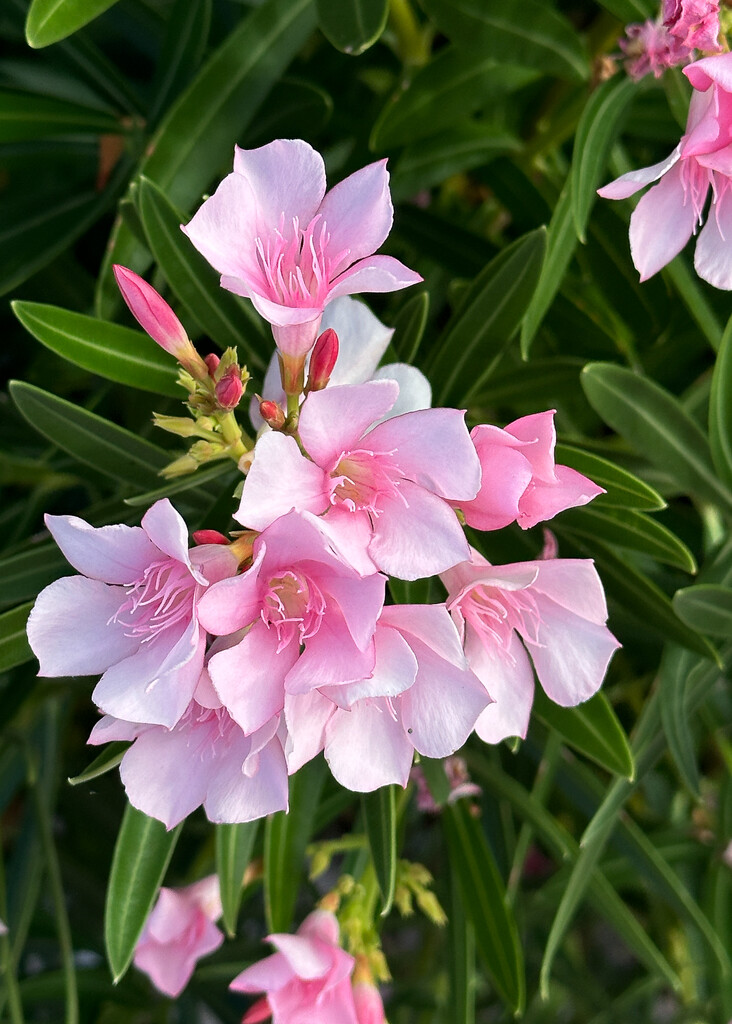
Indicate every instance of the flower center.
{"type": "Point", "coordinates": [363, 479]}
{"type": "Point", "coordinates": [209, 730]}
{"type": "Point", "coordinates": [494, 614]}
{"type": "Point", "coordinates": [696, 180]}
{"type": "Point", "coordinates": [294, 606]}
{"type": "Point", "coordinates": [161, 598]}
{"type": "Point", "coordinates": [295, 267]}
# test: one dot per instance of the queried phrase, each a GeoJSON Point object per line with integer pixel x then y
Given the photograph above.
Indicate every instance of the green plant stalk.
{"type": "Point", "coordinates": [412, 42]}
{"type": "Point", "coordinates": [7, 967]}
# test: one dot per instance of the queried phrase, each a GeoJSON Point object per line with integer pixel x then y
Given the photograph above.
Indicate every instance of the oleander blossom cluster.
{"type": "Point", "coordinates": [228, 665]}
{"type": "Point", "coordinates": [682, 28]}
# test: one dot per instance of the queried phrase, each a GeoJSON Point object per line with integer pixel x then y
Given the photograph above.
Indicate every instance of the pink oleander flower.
{"type": "Point", "coordinates": [309, 618]}
{"type": "Point", "coordinates": [694, 22]}
{"type": "Point", "coordinates": [204, 759]}
{"type": "Point", "coordinates": [555, 610]}
{"type": "Point", "coordinates": [386, 486]}
{"type": "Point", "coordinates": [362, 341]}
{"type": "Point", "coordinates": [368, 1003]}
{"type": "Point", "coordinates": [276, 237]}
{"type": "Point", "coordinates": [179, 931]}
{"type": "Point", "coordinates": [421, 696]}
{"type": "Point", "coordinates": [520, 481]}
{"type": "Point", "coordinates": [667, 216]}
{"type": "Point", "coordinates": [650, 47]}
{"type": "Point", "coordinates": [131, 615]}
{"type": "Point", "coordinates": [458, 779]}
{"type": "Point", "coordinates": [307, 980]}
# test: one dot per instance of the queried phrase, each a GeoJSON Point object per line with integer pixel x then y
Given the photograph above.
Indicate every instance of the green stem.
{"type": "Point", "coordinates": [238, 442]}
{"type": "Point", "coordinates": [411, 38]}
{"type": "Point", "coordinates": [7, 967]}
{"type": "Point", "coordinates": [57, 895]}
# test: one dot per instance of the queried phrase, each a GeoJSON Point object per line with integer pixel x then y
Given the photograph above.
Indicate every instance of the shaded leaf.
{"type": "Point", "coordinates": [14, 648]}
{"type": "Point", "coordinates": [429, 161]}
{"type": "Point", "coordinates": [51, 20]}
{"type": "Point", "coordinates": [560, 245]}
{"type": "Point", "coordinates": [352, 25]}
{"type": "Point", "coordinates": [592, 728]}
{"type": "Point", "coordinates": [104, 762]}
{"type": "Point", "coordinates": [626, 528]}
{"type": "Point", "coordinates": [409, 326]}
{"type": "Point", "coordinates": [624, 490]}
{"type": "Point", "coordinates": [379, 815]}
{"type": "Point", "coordinates": [720, 409]}
{"type": "Point", "coordinates": [27, 118]}
{"type": "Point", "coordinates": [234, 846]}
{"type": "Point", "coordinates": [707, 608]}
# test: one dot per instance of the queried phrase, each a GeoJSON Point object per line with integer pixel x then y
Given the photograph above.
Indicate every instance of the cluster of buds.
{"type": "Point", "coordinates": [214, 385]}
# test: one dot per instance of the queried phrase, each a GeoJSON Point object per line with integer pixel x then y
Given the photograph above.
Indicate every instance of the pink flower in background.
{"type": "Point", "coordinates": [368, 1003]}
{"type": "Point", "coordinates": [458, 778]}
{"type": "Point", "coordinates": [309, 618]}
{"type": "Point", "coordinates": [520, 481]}
{"type": "Point", "coordinates": [387, 488]}
{"type": "Point", "coordinates": [276, 237]}
{"type": "Point", "coordinates": [131, 615]}
{"type": "Point", "coordinates": [695, 23]}
{"type": "Point", "coordinates": [307, 981]}
{"type": "Point", "coordinates": [179, 931]}
{"type": "Point", "coordinates": [650, 47]}
{"type": "Point", "coordinates": [553, 609]}
{"type": "Point", "coordinates": [667, 216]}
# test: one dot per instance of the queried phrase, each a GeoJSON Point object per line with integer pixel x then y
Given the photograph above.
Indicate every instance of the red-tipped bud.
{"type": "Point", "coordinates": [156, 317]}
{"type": "Point", "coordinates": [259, 1011]}
{"type": "Point", "coordinates": [229, 389]}
{"type": "Point", "coordinates": [209, 537]}
{"type": "Point", "coordinates": [369, 1007]}
{"type": "Point", "coordinates": [323, 360]}
{"type": "Point", "coordinates": [212, 361]}
{"type": "Point", "coordinates": [272, 414]}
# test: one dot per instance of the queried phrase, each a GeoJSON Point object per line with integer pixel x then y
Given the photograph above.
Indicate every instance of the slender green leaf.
{"type": "Point", "coordinates": [141, 857]}
{"type": "Point", "coordinates": [488, 316]}
{"type": "Point", "coordinates": [592, 728]}
{"type": "Point", "coordinates": [352, 25]}
{"type": "Point", "coordinates": [25, 573]}
{"type": "Point", "coordinates": [692, 294]}
{"type": "Point", "coordinates": [484, 902]}
{"type": "Point", "coordinates": [626, 528]}
{"type": "Point", "coordinates": [184, 45]}
{"type": "Point", "coordinates": [51, 20]}
{"type": "Point", "coordinates": [720, 409]}
{"type": "Point", "coordinates": [429, 161]}
{"type": "Point", "coordinates": [25, 118]}
{"type": "Point", "coordinates": [234, 846]}
{"type": "Point", "coordinates": [462, 959]}
{"type": "Point", "coordinates": [530, 33]}
{"type": "Point", "coordinates": [673, 681]}
{"type": "Point", "coordinates": [707, 608]}
{"type": "Point", "coordinates": [655, 423]}
{"type": "Point", "coordinates": [292, 103]}
{"type": "Point", "coordinates": [285, 839]}
{"type": "Point", "coordinates": [109, 449]}
{"type": "Point", "coordinates": [629, 10]}
{"type": "Point", "coordinates": [379, 815]}
{"type": "Point", "coordinates": [436, 778]}
{"type": "Point", "coordinates": [104, 762]}
{"type": "Point", "coordinates": [462, 252]}
{"type": "Point", "coordinates": [221, 315]}
{"type": "Point", "coordinates": [202, 478]}
{"type": "Point", "coordinates": [409, 326]}
{"type": "Point", "coordinates": [14, 649]}
{"type": "Point", "coordinates": [453, 85]}
{"type": "Point", "coordinates": [110, 350]}
{"type": "Point", "coordinates": [624, 490]}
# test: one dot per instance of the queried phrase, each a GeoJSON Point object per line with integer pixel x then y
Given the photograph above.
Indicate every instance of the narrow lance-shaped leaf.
{"type": "Point", "coordinates": [462, 958]}
{"type": "Point", "coordinates": [141, 857]}
{"type": "Point", "coordinates": [674, 683]}
{"type": "Point", "coordinates": [14, 649]}
{"type": "Point", "coordinates": [51, 20]}
{"type": "Point", "coordinates": [706, 607]}
{"type": "Point", "coordinates": [720, 409]}
{"type": "Point", "coordinates": [592, 728]}
{"type": "Point", "coordinates": [352, 25]}
{"type": "Point", "coordinates": [623, 489]}
{"type": "Point", "coordinates": [104, 762]}
{"type": "Point", "coordinates": [26, 118]}
{"type": "Point", "coordinates": [379, 815]}
{"type": "Point", "coordinates": [626, 528]}
{"type": "Point", "coordinates": [234, 845]}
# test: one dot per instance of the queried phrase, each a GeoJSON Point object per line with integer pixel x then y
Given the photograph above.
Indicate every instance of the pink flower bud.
{"type": "Point", "coordinates": [323, 360]}
{"type": "Point", "coordinates": [259, 1011]}
{"type": "Point", "coordinates": [209, 537]}
{"type": "Point", "coordinates": [212, 361]}
{"type": "Point", "coordinates": [369, 1007]}
{"type": "Point", "coordinates": [156, 317]}
{"type": "Point", "coordinates": [272, 415]}
{"type": "Point", "coordinates": [229, 389]}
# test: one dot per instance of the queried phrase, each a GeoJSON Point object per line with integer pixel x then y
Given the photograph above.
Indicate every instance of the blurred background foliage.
{"type": "Point", "coordinates": [595, 884]}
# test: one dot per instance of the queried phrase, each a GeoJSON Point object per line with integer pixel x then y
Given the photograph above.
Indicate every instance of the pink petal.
{"type": "Point", "coordinates": [306, 958]}
{"type": "Point", "coordinates": [234, 603]}
{"type": "Point", "coordinates": [330, 657]}
{"type": "Point", "coordinates": [108, 729]}
{"type": "Point", "coordinates": [332, 421]}
{"type": "Point", "coordinates": [373, 274]}
{"type": "Point", "coordinates": [235, 796]}
{"type": "Point", "coordinates": [161, 778]}
{"type": "Point", "coordinates": [415, 391]}
{"type": "Point", "coordinates": [367, 747]}
{"type": "Point", "coordinates": [113, 554]}
{"type": "Point", "coordinates": [506, 473]}
{"type": "Point", "coordinates": [70, 629]}
{"type": "Point", "coordinates": [224, 229]}
{"type": "Point", "coordinates": [628, 184]}
{"type": "Point", "coordinates": [362, 336]}
{"type": "Point", "coordinates": [358, 214]}
{"type": "Point", "coordinates": [360, 601]}
{"type": "Point", "coordinates": [306, 716]}
{"type": "Point", "coordinates": [249, 678]}
{"type": "Point", "coordinates": [713, 257]}
{"type": "Point", "coordinates": [167, 530]}
{"type": "Point", "coordinates": [272, 973]}
{"type": "Point", "coordinates": [509, 678]}
{"type": "Point", "coordinates": [350, 534]}
{"type": "Point", "coordinates": [280, 478]}
{"type": "Point", "coordinates": [537, 430]}
{"type": "Point", "coordinates": [281, 315]}
{"type": "Point", "coordinates": [287, 179]}
{"type": "Point", "coordinates": [540, 502]}
{"type": "Point", "coordinates": [394, 671]}
{"type": "Point", "coordinates": [433, 448]}
{"type": "Point", "coordinates": [323, 925]}
{"type": "Point", "coordinates": [571, 583]}
{"type": "Point", "coordinates": [661, 225]}
{"type": "Point", "coordinates": [718, 69]}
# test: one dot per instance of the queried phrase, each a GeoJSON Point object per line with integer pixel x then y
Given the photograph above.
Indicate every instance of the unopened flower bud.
{"type": "Point", "coordinates": [212, 361]}
{"type": "Point", "coordinates": [156, 317]}
{"type": "Point", "coordinates": [323, 360]}
{"type": "Point", "coordinates": [272, 414]}
{"type": "Point", "coordinates": [369, 1007]}
{"type": "Point", "coordinates": [229, 389]}
{"type": "Point", "coordinates": [209, 537]}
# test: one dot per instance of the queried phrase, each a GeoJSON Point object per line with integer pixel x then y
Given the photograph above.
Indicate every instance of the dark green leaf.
{"type": "Point", "coordinates": [655, 423]}
{"type": "Point", "coordinates": [626, 528]}
{"type": "Point", "coordinates": [379, 815]}
{"type": "Point", "coordinates": [285, 839]}
{"type": "Point", "coordinates": [141, 857]}
{"type": "Point", "coordinates": [530, 33]}
{"type": "Point", "coordinates": [487, 317]}
{"type": "Point", "coordinates": [720, 409]}
{"type": "Point", "coordinates": [673, 681]}
{"type": "Point", "coordinates": [462, 959]}
{"type": "Point", "coordinates": [27, 118]}
{"type": "Point", "coordinates": [484, 902]}
{"type": "Point", "coordinates": [560, 245]}
{"type": "Point", "coordinates": [185, 42]}
{"type": "Point", "coordinates": [51, 20]}
{"type": "Point", "coordinates": [592, 728]}
{"type": "Point", "coordinates": [234, 845]}
{"type": "Point", "coordinates": [630, 10]}
{"type": "Point", "coordinates": [292, 103]}
{"type": "Point", "coordinates": [352, 25]}
{"type": "Point", "coordinates": [110, 350]}
{"type": "Point", "coordinates": [707, 608]}
{"type": "Point", "coordinates": [104, 762]}
{"type": "Point", "coordinates": [595, 134]}
{"type": "Point", "coordinates": [202, 478]}
{"type": "Point", "coordinates": [429, 161]}
{"type": "Point", "coordinates": [409, 326]}
{"type": "Point", "coordinates": [221, 315]}
{"type": "Point", "coordinates": [687, 285]}
{"type": "Point", "coordinates": [14, 649]}
{"type": "Point", "coordinates": [436, 778]}
{"type": "Point", "coordinates": [95, 441]}
{"type": "Point", "coordinates": [623, 489]}
{"type": "Point", "coordinates": [25, 573]}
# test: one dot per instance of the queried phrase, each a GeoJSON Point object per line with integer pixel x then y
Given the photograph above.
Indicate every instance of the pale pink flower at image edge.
{"type": "Point", "coordinates": [277, 238]}
{"type": "Point", "coordinates": [694, 22]}
{"type": "Point", "coordinates": [179, 931]}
